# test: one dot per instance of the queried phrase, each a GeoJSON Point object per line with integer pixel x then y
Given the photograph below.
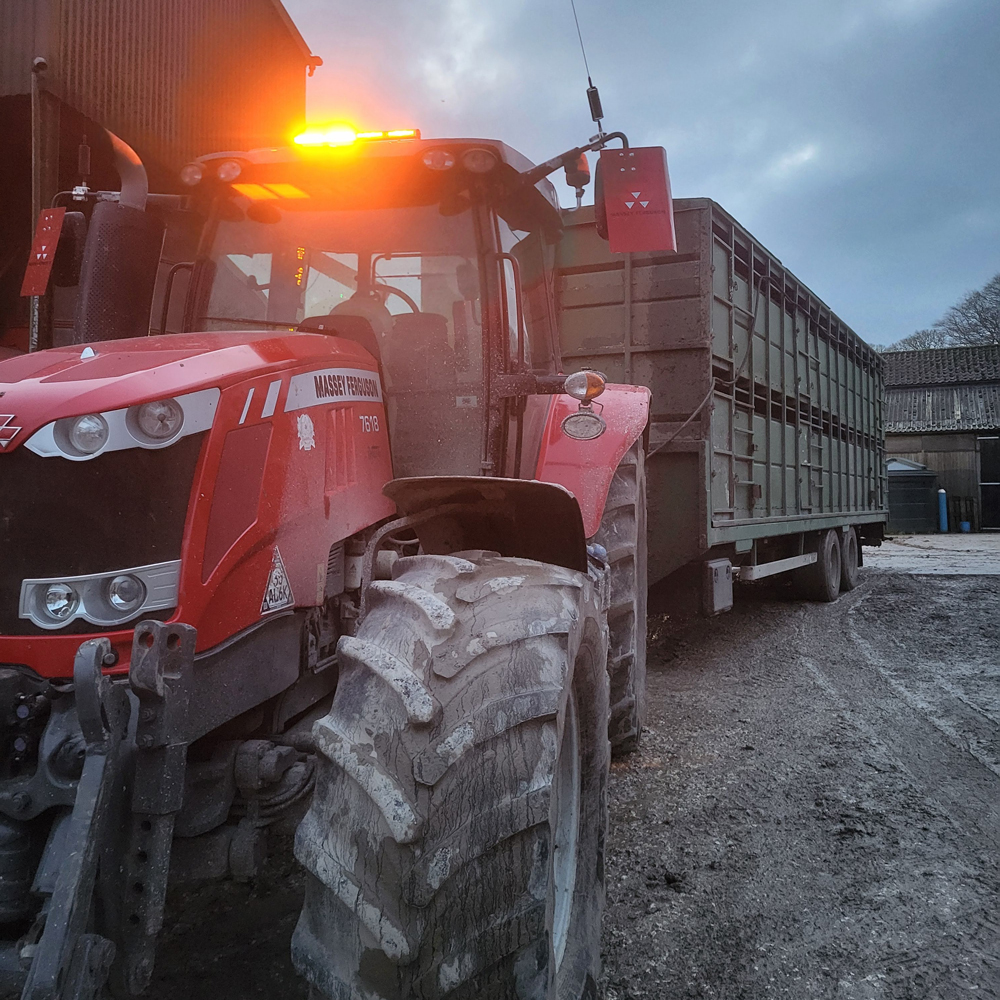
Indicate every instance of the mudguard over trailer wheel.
{"type": "Point", "coordinates": [456, 836]}
{"type": "Point", "coordinates": [820, 581]}
{"type": "Point", "coordinates": [623, 534]}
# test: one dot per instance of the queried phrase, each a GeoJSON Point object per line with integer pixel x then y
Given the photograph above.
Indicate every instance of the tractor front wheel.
{"type": "Point", "coordinates": [455, 842]}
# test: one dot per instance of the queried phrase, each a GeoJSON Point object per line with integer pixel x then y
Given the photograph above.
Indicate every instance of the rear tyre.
{"type": "Point", "coordinates": [849, 561]}
{"type": "Point", "coordinates": [820, 581]}
{"type": "Point", "coordinates": [623, 534]}
{"type": "Point", "coordinates": [455, 842]}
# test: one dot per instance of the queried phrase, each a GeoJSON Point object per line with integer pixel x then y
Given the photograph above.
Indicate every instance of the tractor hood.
{"type": "Point", "coordinates": [36, 389]}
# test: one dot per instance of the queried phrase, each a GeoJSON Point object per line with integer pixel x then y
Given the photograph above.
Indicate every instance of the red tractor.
{"type": "Point", "coordinates": [351, 552]}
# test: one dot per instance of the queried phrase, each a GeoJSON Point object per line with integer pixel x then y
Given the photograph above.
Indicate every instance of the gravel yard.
{"type": "Point", "coordinates": [815, 811]}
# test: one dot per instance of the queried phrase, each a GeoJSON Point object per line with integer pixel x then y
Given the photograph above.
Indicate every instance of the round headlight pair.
{"type": "Point", "coordinates": [124, 593]}
{"type": "Point", "coordinates": [227, 171]}
{"type": "Point", "coordinates": [155, 423]}
{"type": "Point", "coordinates": [476, 161]}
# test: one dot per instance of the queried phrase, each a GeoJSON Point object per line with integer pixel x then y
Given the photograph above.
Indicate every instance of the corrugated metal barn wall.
{"type": "Point", "coordinates": [175, 78]}
{"type": "Point", "coordinates": [185, 77]}
{"type": "Point", "coordinates": [18, 26]}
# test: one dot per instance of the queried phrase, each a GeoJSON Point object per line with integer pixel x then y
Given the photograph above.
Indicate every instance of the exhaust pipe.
{"type": "Point", "coordinates": [120, 259]}
{"type": "Point", "coordinates": [135, 184]}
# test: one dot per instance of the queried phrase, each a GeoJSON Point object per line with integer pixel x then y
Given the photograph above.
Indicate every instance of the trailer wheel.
{"type": "Point", "coordinates": [820, 581]}
{"type": "Point", "coordinates": [455, 842]}
{"type": "Point", "coordinates": [849, 562]}
{"type": "Point", "coordinates": [623, 534]}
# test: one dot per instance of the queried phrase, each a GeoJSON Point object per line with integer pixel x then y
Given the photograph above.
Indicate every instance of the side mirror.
{"type": "Point", "coordinates": [69, 253]}
{"type": "Point", "coordinates": [121, 257]}
{"type": "Point", "coordinates": [633, 208]}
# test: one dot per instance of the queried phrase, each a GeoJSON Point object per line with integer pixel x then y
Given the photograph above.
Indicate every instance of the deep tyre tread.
{"type": "Point", "coordinates": [429, 842]}
{"type": "Point", "coordinates": [623, 534]}
{"type": "Point", "coordinates": [850, 561]}
{"type": "Point", "coordinates": [820, 581]}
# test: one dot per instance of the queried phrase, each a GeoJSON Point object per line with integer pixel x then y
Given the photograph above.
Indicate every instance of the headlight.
{"type": "Point", "coordinates": [439, 159]}
{"type": "Point", "coordinates": [585, 385]}
{"type": "Point", "coordinates": [85, 435]}
{"type": "Point", "coordinates": [479, 161]}
{"type": "Point", "coordinates": [228, 170]}
{"type": "Point", "coordinates": [191, 174]}
{"type": "Point", "coordinates": [584, 425]}
{"type": "Point", "coordinates": [158, 421]}
{"type": "Point", "coordinates": [60, 601]}
{"type": "Point", "coordinates": [103, 599]}
{"type": "Point", "coordinates": [156, 424]}
{"type": "Point", "coordinates": [126, 592]}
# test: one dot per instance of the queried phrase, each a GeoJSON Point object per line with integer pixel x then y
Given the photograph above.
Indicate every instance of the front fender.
{"type": "Point", "coordinates": [586, 468]}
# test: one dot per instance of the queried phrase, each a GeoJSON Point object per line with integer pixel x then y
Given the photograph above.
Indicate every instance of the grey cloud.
{"type": "Point", "coordinates": [858, 139]}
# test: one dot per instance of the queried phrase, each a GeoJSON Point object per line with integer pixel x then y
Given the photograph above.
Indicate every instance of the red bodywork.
{"type": "Point", "coordinates": [262, 481]}
{"type": "Point", "coordinates": [586, 468]}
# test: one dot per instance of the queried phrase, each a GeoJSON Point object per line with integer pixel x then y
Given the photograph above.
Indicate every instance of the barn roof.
{"type": "Point", "coordinates": [942, 408]}
{"type": "Point", "coordinates": [943, 366]}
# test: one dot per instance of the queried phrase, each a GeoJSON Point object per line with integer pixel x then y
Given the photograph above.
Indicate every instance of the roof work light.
{"type": "Point", "coordinates": [344, 135]}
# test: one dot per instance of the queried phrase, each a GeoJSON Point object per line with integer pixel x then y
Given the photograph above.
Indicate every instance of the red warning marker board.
{"type": "Point", "coordinates": [43, 251]}
{"type": "Point", "coordinates": [637, 196]}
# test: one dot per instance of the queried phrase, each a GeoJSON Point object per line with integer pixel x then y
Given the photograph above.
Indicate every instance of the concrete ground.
{"type": "Point", "coordinates": [814, 813]}
{"type": "Point", "coordinates": [976, 554]}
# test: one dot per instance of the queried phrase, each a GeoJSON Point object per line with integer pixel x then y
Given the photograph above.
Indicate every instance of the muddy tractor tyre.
{"type": "Point", "coordinates": [850, 562]}
{"type": "Point", "coordinates": [623, 534]}
{"type": "Point", "coordinates": [820, 581]}
{"type": "Point", "coordinates": [455, 842]}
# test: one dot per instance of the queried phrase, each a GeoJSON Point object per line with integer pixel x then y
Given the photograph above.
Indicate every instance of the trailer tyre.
{"type": "Point", "coordinates": [820, 581]}
{"type": "Point", "coordinates": [623, 534]}
{"type": "Point", "coordinates": [455, 842]}
{"type": "Point", "coordinates": [849, 561]}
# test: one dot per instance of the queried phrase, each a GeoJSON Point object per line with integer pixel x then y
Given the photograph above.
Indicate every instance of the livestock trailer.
{"type": "Point", "coordinates": [766, 426]}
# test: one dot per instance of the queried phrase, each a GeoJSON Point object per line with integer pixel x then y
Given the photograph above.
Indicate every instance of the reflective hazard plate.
{"type": "Point", "coordinates": [278, 594]}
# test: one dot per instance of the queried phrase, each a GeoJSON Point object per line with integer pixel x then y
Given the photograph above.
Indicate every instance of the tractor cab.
{"type": "Point", "coordinates": [433, 255]}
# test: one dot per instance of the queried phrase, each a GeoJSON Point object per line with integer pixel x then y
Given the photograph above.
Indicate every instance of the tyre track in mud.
{"type": "Point", "coordinates": [815, 811]}
{"type": "Point", "coordinates": [813, 814]}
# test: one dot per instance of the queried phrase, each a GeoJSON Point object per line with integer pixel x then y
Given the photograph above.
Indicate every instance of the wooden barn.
{"type": "Point", "coordinates": [943, 412]}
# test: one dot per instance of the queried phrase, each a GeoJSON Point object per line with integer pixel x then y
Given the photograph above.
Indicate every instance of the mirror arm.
{"type": "Point", "coordinates": [535, 174]}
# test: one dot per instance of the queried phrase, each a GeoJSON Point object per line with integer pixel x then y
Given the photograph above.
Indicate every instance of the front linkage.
{"type": "Point", "coordinates": [103, 871]}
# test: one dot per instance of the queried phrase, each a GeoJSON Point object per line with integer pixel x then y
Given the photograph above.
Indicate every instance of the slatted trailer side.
{"type": "Point", "coordinates": [767, 416]}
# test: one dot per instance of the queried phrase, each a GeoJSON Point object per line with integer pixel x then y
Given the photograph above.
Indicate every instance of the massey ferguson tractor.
{"type": "Point", "coordinates": [352, 552]}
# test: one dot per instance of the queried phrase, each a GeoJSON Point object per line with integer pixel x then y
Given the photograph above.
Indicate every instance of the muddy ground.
{"type": "Point", "coordinates": [815, 812]}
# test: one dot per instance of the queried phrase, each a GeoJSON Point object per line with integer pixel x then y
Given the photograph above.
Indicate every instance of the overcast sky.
{"type": "Point", "coordinates": [859, 140]}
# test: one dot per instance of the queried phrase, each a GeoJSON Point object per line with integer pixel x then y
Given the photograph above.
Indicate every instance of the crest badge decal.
{"type": "Point", "coordinates": [307, 432]}
{"type": "Point", "coordinates": [278, 594]}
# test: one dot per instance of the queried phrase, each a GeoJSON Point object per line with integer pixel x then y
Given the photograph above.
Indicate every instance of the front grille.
{"type": "Point", "coordinates": [62, 518]}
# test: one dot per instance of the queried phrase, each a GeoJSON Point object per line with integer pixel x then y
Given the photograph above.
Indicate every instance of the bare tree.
{"type": "Point", "coordinates": [920, 340]}
{"type": "Point", "coordinates": [975, 320]}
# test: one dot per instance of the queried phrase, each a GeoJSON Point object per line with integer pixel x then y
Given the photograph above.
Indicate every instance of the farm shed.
{"type": "Point", "coordinates": [944, 413]}
{"type": "Point", "coordinates": [173, 78]}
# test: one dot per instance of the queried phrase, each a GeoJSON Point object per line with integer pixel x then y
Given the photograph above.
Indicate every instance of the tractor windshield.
{"type": "Point", "coordinates": [412, 271]}
{"type": "Point", "coordinates": [299, 263]}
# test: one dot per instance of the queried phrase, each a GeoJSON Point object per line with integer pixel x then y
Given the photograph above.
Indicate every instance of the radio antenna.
{"type": "Point", "coordinates": [593, 97]}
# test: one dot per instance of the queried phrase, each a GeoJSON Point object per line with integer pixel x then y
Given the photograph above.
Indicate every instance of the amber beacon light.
{"type": "Point", "coordinates": [344, 135]}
